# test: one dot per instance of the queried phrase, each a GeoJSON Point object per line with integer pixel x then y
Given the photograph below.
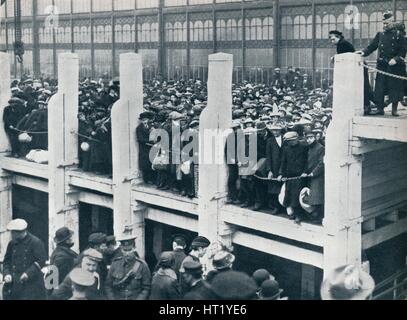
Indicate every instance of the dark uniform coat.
{"type": "Point", "coordinates": [390, 45]}
{"type": "Point", "coordinates": [143, 138]}
{"type": "Point", "coordinates": [316, 154]}
{"type": "Point", "coordinates": [165, 285]}
{"type": "Point", "coordinates": [25, 256]}
{"type": "Point", "coordinates": [64, 259]}
{"type": "Point", "coordinates": [179, 256]}
{"type": "Point", "coordinates": [128, 280]}
{"type": "Point", "coordinates": [293, 164]}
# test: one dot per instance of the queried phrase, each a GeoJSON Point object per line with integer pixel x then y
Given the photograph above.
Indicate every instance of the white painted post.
{"type": "Point", "coordinates": [216, 119]}
{"type": "Point", "coordinates": [5, 95]}
{"type": "Point", "coordinates": [343, 171]}
{"type": "Point", "coordinates": [128, 217]}
{"type": "Point", "coordinates": [5, 180]}
{"type": "Point", "coordinates": [63, 147]}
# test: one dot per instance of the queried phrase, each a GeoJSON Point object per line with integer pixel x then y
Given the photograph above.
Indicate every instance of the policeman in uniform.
{"type": "Point", "coordinates": [129, 277]}
{"type": "Point", "coordinates": [25, 257]}
{"type": "Point", "coordinates": [392, 50]}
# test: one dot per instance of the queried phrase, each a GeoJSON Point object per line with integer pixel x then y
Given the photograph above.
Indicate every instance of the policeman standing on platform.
{"type": "Point", "coordinates": [391, 59]}
{"type": "Point", "coordinates": [129, 277]}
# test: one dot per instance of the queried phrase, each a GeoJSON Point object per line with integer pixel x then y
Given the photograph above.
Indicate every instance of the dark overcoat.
{"type": "Point", "coordinates": [316, 153]}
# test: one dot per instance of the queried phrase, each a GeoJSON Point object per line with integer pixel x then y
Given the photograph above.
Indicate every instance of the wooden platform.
{"type": "Point", "coordinates": [384, 127]}
{"type": "Point", "coordinates": [17, 165]}
{"type": "Point", "coordinates": [274, 225]}
{"type": "Point", "coordinates": [91, 181]}
{"type": "Point", "coordinates": [166, 199]}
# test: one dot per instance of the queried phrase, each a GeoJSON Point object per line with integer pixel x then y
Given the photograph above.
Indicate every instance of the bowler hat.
{"type": "Point", "coordinates": [261, 275]}
{"type": "Point", "coordinates": [270, 289]}
{"type": "Point", "coordinates": [62, 234]}
{"type": "Point", "coordinates": [233, 285]}
{"type": "Point", "coordinates": [347, 283]}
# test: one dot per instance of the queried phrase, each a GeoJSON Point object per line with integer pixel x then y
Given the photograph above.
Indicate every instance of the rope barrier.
{"type": "Point", "coordinates": [384, 73]}
{"type": "Point", "coordinates": [282, 180]}
{"type": "Point", "coordinates": [86, 137]}
{"type": "Point", "coordinates": [30, 132]}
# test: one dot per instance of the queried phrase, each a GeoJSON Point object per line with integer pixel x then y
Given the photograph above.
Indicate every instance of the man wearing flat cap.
{"type": "Point", "coordinates": [81, 281]}
{"type": "Point", "coordinates": [129, 277]}
{"type": "Point", "coordinates": [25, 257]}
{"type": "Point", "coordinates": [165, 284]}
{"type": "Point", "coordinates": [198, 249]}
{"type": "Point", "coordinates": [392, 49]}
{"type": "Point", "coordinates": [63, 257]}
{"type": "Point", "coordinates": [89, 263]}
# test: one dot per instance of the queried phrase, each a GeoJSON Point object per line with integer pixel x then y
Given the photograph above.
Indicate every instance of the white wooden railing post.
{"type": "Point", "coordinates": [215, 121]}
{"type": "Point", "coordinates": [343, 171]}
{"type": "Point", "coordinates": [63, 148]}
{"type": "Point", "coordinates": [128, 214]}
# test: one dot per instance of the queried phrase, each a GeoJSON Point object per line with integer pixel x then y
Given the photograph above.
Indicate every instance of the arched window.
{"type": "Point", "coordinates": [318, 27]}
{"type": "Point", "coordinates": [328, 23]}
{"type": "Point", "coordinates": [286, 28]}
{"type": "Point", "coordinates": [76, 31]}
{"type": "Point", "coordinates": [84, 35]}
{"type": "Point", "coordinates": [255, 29]}
{"type": "Point", "coordinates": [267, 32]}
{"type": "Point", "coordinates": [126, 38]}
{"type": "Point", "coordinates": [364, 26]}
{"type": "Point", "coordinates": [68, 35]}
{"type": "Point", "coordinates": [221, 29]}
{"type": "Point", "coordinates": [231, 30]}
{"type": "Point", "coordinates": [100, 31]}
{"type": "Point", "coordinates": [169, 32]}
{"type": "Point", "coordinates": [145, 32]}
{"type": "Point", "coordinates": [108, 34]}
{"type": "Point", "coordinates": [240, 29]}
{"type": "Point", "coordinates": [300, 26]}
{"type": "Point", "coordinates": [178, 31]}
{"type": "Point", "coordinates": [208, 30]}
{"type": "Point", "coordinates": [198, 31]}
{"type": "Point", "coordinates": [184, 31]}
{"type": "Point", "coordinates": [118, 33]}
{"type": "Point", "coordinates": [309, 27]}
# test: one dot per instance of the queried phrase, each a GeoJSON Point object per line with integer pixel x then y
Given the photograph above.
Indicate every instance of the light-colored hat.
{"type": "Point", "coordinates": [292, 135]}
{"type": "Point", "coordinates": [17, 225]}
{"type": "Point", "coordinates": [93, 254]}
{"type": "Point", "coordinates": [347, 283]}
{"type": "Point", "coordinates": [82, 277]}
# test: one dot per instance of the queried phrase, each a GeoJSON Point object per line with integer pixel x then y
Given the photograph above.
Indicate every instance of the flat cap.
{"type": "Point", "coordinates": [192, 266]}
{"type": "Point", "coordinates": [200, 242]}
{"type": "Point", "coordinates": [17, 225]}
{"type": "Point", "coordinates": [97, 238]}
{"type": "Point", "coordinates": [292, 135]}
{"type": "Point", "coordinates": [82, 277]}
{"type": "Point", "coordinates": [167, 259]}
{"type": "Point", "coordinates": [93, 254]}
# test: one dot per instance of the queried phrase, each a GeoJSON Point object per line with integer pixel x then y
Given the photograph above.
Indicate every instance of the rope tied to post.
{"type": "Point", "coordinates": [30, 132]}
{"type": "Point", "coordinates": [383, 72]}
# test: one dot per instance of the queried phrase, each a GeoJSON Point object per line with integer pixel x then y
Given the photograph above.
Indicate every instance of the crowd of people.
{"type": "Point", "coordinates": [111, 269]}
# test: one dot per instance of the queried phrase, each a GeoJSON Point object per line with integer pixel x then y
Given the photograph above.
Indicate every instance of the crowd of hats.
{"type": "Point", "coordinates": [26, 116]}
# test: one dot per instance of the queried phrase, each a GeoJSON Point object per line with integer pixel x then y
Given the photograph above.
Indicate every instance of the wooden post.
{"type": "Point", "coordinates": [63, 147]}
{"type": "Point", "coordinates": [343, 171]}
{"type": "Point", "coordinates": [128, 219]}
{"type": "Point", "coordinates": [215, 123]}
{"type": "Point", "coordinates": [5, 180]}
{"type": "Point", "coordinates": [5, 95]}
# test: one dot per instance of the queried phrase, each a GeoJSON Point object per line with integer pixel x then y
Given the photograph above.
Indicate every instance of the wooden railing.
{"type": "Point", "coordinates": [393, 288]}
